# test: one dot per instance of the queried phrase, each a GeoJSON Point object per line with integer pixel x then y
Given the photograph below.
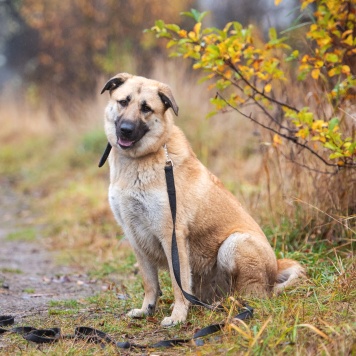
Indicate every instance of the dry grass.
{"type": "Point", "coordinates": [303, 213]}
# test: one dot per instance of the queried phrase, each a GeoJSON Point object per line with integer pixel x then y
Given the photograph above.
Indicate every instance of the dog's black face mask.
{"type": "Point", "coordinates": [129, 132]}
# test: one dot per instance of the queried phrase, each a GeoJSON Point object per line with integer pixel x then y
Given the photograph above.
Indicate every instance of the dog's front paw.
{"type": "Point", "coordinates": [136, 313]}
{"type": "Point", "coordinates": [169, 321]}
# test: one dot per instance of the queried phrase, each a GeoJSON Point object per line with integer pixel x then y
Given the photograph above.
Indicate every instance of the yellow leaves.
{"type": "Point", "coordinates": [345, 69]}
{"type": "Point", "coordinates": [268, 88]}
{"type": "Point", "coordinates": [332, 58]}
{"type": "Point", "coordinates": [305, 3]}
{"type": "Point", "coordinates": [277, 2]}
{"type": "Point", "coordinates": [305, 58]}
{"type": "Point", "coordinates": [222, 48]}
{"type": "Point", "coordinates": [263, 76]}
{"type": "Point", "coordinates": [277, 140]}
{"type": "Point", "coordinates": [249, 71]}
{"type": "Point", "coordinates": [347, 145]}
{"type": "Point", "coordinates": [318, 64]}
{"type": "Point", "coordinates": [192, 36]}
{"type": "Point", "coordinates": [346, 33]}
{"type": "Point", "coordinates": [348, 41]}
{"type": "Point", "coordinates": [183, 33]}
{"type": "Point", "coordinates": [313, 27]}
{"type": "Point", "coordinates": [228, 74]}
{"type": "Point", "coordinates": [319, 138]}
{"type": "Point", "coordinates": [303, 133]}
{"type": "Point", "coordinates": [315, 73]}
{"type": "Point", "coordinates": [323, 42]}
{"type": "Point", "coordinates": [319, 125]}
{"type": "Point", "coordinates": [256, 65]}
{"type": "Point", "coordinates": [195, 34]}
{"type": "Point", "coordinates": [334, 71]}
{"type": "Point", "coordinates": [197, 28]}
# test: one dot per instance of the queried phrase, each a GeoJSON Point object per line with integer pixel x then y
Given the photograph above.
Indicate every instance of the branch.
{"type": "Point", "coordinates": [258, 104]}
{"type": "Point", "coordinates": [307, 167]}
{"type": "Point", "coordinates": [230, 64]}
{"type": "Point", "coordinates": [289, 138]}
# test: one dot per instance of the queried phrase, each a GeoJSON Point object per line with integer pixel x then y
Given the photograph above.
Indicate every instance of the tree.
{"type": "Point", "coordinates": [75, 42]}
{"type": "Point", "coordinates": [246, 71]}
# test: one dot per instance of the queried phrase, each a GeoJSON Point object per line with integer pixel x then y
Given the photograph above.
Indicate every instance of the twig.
{"type": "Point", "coordinates": [255, 102]}
{"type": "Point", "coordinates": [230, 64]}
{"type": "Point", "coordinates": [293, 139]}
{"type": "Point", "coordinates": [348, 114]}
{"type": "Point", "coordinates": [321, 211]}
{"type": "Point", "coordinates": [307, 167]}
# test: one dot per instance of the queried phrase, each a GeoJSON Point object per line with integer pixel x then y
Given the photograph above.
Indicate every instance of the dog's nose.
{"type": "Point", "coordinates": [127, 128]}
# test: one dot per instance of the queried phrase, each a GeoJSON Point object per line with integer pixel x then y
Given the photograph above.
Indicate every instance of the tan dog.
{"type": "Point", "coordinates": [221, 248]}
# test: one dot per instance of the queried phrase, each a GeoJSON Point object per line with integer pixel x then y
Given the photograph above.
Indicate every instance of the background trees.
{"type": "Point", "coordinates": [62, 48]}
{"type": "Point", "coordinates": [299, 85]}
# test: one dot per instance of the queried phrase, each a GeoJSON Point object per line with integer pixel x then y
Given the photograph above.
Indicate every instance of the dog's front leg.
{"type": "Point", "coordinates": [181, 305]}
{"type": "Point", "coordinates": [149, 275]}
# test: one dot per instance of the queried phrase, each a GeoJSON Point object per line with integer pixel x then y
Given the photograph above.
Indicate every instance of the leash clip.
{"type": "Point", "coordinates": [169, 162]}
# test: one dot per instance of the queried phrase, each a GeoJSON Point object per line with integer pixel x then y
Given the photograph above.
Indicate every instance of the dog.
{"type": "Point", "coordinates": [221, 248]}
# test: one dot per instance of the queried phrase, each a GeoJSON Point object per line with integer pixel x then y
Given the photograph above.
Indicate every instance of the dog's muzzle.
{"type": "Point", "coordinates": [129, 132]}
{"type": "Point", "coordinates": [125, 133]}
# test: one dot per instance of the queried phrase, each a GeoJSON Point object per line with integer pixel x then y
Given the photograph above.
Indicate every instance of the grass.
{"type": "Point", "coordinates": [58, 168]}
{"type": "Point", "coordinates": [28, 234]}
{"type": "Point", "coordinates": [316, 317]}
{"type": "Point", "coordinates": [29, 290]}
{"type": "Point", "coordinates": [10, 270]}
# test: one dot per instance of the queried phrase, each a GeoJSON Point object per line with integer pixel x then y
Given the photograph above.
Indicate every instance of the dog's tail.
{"type": "Point", "coordinates": [288, 274]}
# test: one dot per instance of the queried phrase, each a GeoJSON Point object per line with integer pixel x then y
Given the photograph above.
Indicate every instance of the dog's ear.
{"type": "Point", "coordinates": [116, 81]}
{"type": "Point", "coordinates": [166, 96]}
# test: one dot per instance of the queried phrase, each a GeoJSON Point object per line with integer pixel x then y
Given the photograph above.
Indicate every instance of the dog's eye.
{"type": "Point", "coordinates": [145, 108]}
{"type": "Point", "coordinates": [123, 103]}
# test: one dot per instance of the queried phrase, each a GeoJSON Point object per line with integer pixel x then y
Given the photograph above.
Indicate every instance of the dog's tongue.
{"type": "Point", "coordinates": [124, 142]}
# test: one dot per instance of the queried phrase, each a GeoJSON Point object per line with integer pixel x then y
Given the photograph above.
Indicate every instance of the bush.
{"type": "Point", "coordinates": [304, 98]}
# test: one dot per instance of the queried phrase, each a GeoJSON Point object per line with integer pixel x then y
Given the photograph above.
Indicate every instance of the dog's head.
{"type": "Point", "coordinates": [137, 118]}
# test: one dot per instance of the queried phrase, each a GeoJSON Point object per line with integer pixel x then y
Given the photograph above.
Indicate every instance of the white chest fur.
{"type": "Point", "coordinates": [140, 207]}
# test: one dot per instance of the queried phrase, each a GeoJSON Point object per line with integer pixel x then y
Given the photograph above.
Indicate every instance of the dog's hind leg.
{"type": "Point", "coordinates": [250, 262]}
{"type": "Point", "coordinates": [149, 274]}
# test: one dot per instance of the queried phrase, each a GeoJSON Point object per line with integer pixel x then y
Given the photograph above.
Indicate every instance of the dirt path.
{"type": "Point", "coordinates": [29, 277]}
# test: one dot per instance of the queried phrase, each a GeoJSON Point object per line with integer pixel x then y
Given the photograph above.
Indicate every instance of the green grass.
{"type": "Point", "coordinates": [317, 317]}
{"type": "Point", "coordinates": [29, 290]}
{"type": "Point", "coordinates": [28, 234]}
{"type": "Point", "coordinates": [10, 270]}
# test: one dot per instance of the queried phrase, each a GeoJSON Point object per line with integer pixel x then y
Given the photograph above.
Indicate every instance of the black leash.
{"type": "Point", "coordinates": [247, 313]}
{"type": "Point", "coordinates": [91, 335]}
{"type": "Point", "coordinates": [171, 190]}
{"type": "Point", "coordinates": [88, 334]}
{"type": "Point", "coordinates": [105, 155]}
{"type": "Point", "coordinates": [175, 254]}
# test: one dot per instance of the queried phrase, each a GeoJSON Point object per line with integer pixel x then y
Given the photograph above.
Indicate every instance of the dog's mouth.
{"type": "Point", "coordinates": [129, 133]}
{"type": "Point", "coordinates": [125, 143]}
